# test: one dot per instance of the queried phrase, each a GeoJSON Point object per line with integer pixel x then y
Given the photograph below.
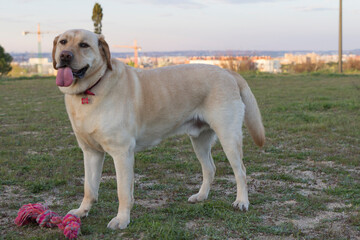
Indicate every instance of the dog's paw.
{"type": "Point", "coordinates": [241, 205]}
{"type": "Point", "coordinates": [119, 223]}
{"type": "Point", "coordinates": [197, 198]}
{"type": "Point", "coordinates": [79, 212]}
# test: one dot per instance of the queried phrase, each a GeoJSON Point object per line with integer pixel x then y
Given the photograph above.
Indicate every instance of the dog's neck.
{"type": "Point", "coordinates": [88, 91]}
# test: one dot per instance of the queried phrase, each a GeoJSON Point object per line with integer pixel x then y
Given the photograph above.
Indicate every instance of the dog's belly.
{"type": "Point", "coordinates": [153, 136]}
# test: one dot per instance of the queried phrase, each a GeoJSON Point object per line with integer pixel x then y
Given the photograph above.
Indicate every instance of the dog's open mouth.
{"type": "Point", "coordinates": [80, 73]}
{"type": "Point", "coordinates": [65, 75]}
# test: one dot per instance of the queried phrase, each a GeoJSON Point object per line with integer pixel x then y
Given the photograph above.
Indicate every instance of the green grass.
{"type": "Point", "coordinates": [310, 163]}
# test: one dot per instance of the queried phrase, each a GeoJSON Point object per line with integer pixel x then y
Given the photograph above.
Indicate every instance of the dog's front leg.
{"type": "Point", "coordinates": [93, 161]}
{"type": "Point", "coordinates": [124, 166]}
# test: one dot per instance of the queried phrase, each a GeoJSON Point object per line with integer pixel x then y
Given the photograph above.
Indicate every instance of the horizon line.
{"type": "Point", "coordinates": [229, 50]}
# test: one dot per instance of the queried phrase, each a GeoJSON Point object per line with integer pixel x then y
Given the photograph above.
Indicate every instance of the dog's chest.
{"type": "Point", "coordinates": [84, 121]}
{"type": "Point", "coordinates": [98, 125]}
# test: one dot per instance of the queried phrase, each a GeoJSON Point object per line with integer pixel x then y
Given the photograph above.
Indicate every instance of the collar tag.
{"type": "Point", "coordinates": [85, 100]}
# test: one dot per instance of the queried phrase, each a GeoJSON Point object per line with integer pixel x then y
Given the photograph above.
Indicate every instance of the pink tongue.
{"type": "Point", "coordinates": [64, 77]}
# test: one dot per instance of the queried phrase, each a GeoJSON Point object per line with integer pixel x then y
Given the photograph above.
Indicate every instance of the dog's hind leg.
{"type": "Point", "coordinates": [202, 147]}
{"type": "Point", "coordinates": [227, 124]}
{"type": "Point", "coordinates": [232, 145]}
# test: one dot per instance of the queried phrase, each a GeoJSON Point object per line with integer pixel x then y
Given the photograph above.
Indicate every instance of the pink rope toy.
{"type": "Point", "coordinates": [40, 214]}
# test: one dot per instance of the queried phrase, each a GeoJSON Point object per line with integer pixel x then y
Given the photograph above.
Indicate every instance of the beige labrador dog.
{"type": "Point", "coordinates": [120, 110]}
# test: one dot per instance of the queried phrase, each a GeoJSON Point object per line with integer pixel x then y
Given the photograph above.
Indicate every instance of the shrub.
{"type": "Point", "coordinates": [238, 66]}
{"type": "Point", "coordinates": [351, 65]}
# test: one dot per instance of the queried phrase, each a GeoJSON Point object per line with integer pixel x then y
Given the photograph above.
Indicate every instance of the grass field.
{"type": "Point", "coordinates": [304, 184]}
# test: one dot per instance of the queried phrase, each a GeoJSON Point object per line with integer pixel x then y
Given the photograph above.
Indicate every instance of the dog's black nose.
{"type": "Point", "coordinates": [66, 57]}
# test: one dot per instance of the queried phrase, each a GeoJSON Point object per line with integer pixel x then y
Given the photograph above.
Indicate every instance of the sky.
{"type": "Point", "coordinates": [177, 25]}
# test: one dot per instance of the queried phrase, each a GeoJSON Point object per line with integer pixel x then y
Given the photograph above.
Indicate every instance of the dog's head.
{"type": "Point", "coordinates": [81, 58]}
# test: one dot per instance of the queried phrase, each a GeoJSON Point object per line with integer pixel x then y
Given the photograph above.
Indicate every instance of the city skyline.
{"type": "Point", "coordinates": [170, 25]}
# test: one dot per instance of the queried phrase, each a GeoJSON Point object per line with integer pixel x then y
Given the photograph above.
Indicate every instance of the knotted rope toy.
{"type": "Point", "coordinates": [40, 214]}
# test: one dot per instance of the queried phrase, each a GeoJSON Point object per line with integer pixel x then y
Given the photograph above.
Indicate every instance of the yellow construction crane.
{"type": "Point", "coordinates": [136, 49]}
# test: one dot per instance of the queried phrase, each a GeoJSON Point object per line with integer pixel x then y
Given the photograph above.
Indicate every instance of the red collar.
{"type": "Point", "coordinates": [86, 100]}
{"type": "Point", "coordinates": [88, 92]}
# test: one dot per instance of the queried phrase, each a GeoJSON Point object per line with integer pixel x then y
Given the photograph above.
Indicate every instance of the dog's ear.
{"type": "Point", "coordinates": [105, 51]}
{"type": "Point", "coordinates": [54, 50]}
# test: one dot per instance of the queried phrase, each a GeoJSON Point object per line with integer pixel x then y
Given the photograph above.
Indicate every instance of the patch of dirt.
{"type": "Point", "coordinates": [191, 225]}
{"type": "Point", "coordinates": [105, 178]}
{"type": "Point", "coordinates": [258, 186]}
{"type": "Point", "coordinates": [152, 203]}
{"type": "Point", "coordinates": [315, 180]}
{"type": "Point", "coordinates": [146, 184]}
{"type": "Point", "coordinates": [31, 152]}
{"type": "Point", "coordinates": [306, 223]}
{"type": "Point", "coordinates": [229, 178]}
{"type": "Point", "coordinates": [266, 237]}
{"type": "Point", "coordinates": [338, 205]}
{"type": "Point", "coordinates": [13, 194]}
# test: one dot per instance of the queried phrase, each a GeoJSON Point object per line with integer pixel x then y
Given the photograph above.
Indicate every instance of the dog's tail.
{"type": "Point", "coordinates": [252, 113]}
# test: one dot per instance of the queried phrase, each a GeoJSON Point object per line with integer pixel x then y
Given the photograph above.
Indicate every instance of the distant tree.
{"type": "Point", "coordinates": [97, 17]}
{"type": "Point", "coordinates": [5, 60]}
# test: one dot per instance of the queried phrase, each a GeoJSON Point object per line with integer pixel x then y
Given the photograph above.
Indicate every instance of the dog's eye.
{"type": "Point", "coordinates": [63, 42]}
{"type": "Point", "coordinates": [84, 45]}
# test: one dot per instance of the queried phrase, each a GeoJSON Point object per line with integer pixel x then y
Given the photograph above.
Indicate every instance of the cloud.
{"type": "Point", "coordinates": [166, 15]}
{"type": "Point", "coordinates": [196, 4]}
{"type": "Point", "coordinates": [184, 4]}
{"type": "Point", "coordinates": [247, 1]}
{"type": "Point", "coordinates": [14, 20]}
{"type": "Point", "coordinates": [315, 9]}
